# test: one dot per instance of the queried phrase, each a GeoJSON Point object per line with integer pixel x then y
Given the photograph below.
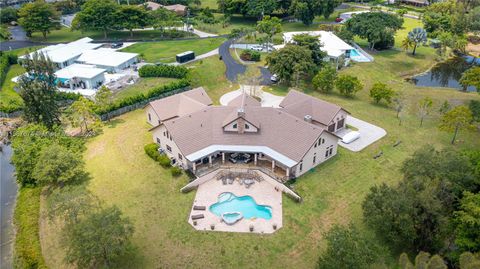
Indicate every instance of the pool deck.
{"type": "Point", "coordinates": [263, 192]}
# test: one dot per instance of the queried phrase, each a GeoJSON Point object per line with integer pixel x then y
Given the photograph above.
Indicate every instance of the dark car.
{"type": "Point", "coordinates": [116, 45]}
{"type": "Point", "coordinates": [338, 20]}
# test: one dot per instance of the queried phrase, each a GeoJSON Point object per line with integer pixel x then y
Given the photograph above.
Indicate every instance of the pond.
{"type": "Point", "coordinates": [447, 74]}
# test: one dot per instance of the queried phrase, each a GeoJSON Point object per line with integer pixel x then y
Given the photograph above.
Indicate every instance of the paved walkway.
{"type": "Point", "coordinates": [369, 134]}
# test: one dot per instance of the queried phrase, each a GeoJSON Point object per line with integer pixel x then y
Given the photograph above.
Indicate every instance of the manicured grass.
{"type": "Point", "coordinates": [65, 34]}
{"type": "Point", "coordinates": [165, 51]}
{"type": "Point", "coordinates": [212, 4]}
{"type": "Point", "coordinates": [9, 99]}
{"type": "Point", "coordinates": [28, 253]}
{"type": "Point", "coordinates": [143, 85]}
{"type": "Point", "coordinates": [236, 21]}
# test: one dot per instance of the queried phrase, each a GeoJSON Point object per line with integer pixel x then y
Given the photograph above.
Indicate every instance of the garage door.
{"type": "Point", "coordinates": [331, 128]}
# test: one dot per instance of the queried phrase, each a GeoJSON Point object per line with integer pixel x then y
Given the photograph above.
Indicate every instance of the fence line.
{"type": "Point", "coordinates": [125, 109]}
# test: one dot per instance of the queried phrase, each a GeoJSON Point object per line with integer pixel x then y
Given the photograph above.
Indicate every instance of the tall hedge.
{"type": "Point", "coordinates": [155, 92]}
{"type": "Point", "coordinates": [167, 71]}
{"type": "Point", "coordinates": [5, 61]}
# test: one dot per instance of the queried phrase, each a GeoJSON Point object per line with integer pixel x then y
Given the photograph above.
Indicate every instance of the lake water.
{"type": "Point", "coordinates": [447, 74]}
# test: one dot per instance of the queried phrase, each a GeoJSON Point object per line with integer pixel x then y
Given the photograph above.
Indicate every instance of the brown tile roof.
{"type": "Point", "coordinates": [279, 131]}
{"type": "Point", "coordinates": [181, 104]}
{"type": "Point", "coordinates": [244, 99]}
{"type": "Point", "coordinates": [299, 105]}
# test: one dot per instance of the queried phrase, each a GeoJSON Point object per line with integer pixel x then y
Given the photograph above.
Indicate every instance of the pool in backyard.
{"type": "Point", "coordinates": [232, 208]}
{"type": "Point", "coordinates": [358, 56]}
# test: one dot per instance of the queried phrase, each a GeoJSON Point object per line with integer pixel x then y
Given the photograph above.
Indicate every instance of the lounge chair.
{"type": "Point", "coordinates": [198, 216]}
{"type": "Point", "coordinates": [199, 207]}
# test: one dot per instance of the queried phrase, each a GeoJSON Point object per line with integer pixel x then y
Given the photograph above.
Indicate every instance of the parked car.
{"type": "Point", "coordinates": [256, 47]}
{"type": "Point", "coordinates": [274, 78]}
{"type": "Point", "coordinates": [116, 45]}
{"type": "Point", "coordinates": [338, 20]}
{"type": "Point", "coordinates": [350, 137]}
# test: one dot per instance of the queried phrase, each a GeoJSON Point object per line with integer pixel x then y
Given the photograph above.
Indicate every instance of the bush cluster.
{"type": "Point", "coordinates": [250, 55]}
{"type": "Point", "coordinates": [167, 71]}
{"type": "Point", "coordinates": [155, 92]}
{"type": "Point", "coordinates": [6, 60]}
{"type": "Point", "coordinates": [176, 171]}
{"type": "Point", "coordinates": [152, 151]}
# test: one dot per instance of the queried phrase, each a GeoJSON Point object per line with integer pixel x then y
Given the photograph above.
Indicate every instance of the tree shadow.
{"type": "Point", "coordinates": [114, 122]}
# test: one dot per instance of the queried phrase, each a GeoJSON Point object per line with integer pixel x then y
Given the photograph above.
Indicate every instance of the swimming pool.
{"type": "Point", "coordinates": [229, 204]}
{"type": "Point", "coordinates": [358, 56]}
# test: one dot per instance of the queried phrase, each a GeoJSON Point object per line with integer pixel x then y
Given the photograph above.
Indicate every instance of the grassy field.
{"type": "Point", "coordinates": [123, 175]}
{"type": "Point", "coordinates": [65, 34]}
{"type": "Point", "coordinates": [165, 51]}
{"type": "Point", "coordinates": [237, 21]}
{"type": "Point", "coordinates": [143, 85]}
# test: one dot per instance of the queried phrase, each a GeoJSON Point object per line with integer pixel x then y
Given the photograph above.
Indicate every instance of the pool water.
{"type": "Point", "coordinates": [246, 205]}
{"type": "Point", "coordinates": [357, 56]}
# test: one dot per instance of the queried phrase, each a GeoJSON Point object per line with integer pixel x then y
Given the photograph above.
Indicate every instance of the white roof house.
{"type": "Point", "coordinates": [79, 71]}
{"type": "Point", "coordinates": [107, 58]}
{"type": "Point", "coordinates": [331, 44]}
{"type": "Point", "coordinates": [65, 54]}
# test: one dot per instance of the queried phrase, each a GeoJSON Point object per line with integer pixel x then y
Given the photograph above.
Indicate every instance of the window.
{"type": "Point", "coordinates": [169, 148]}
{"type": "Point", "coordinates": [315, 145]}
{"type": "Point", "coordinates": [149, 117]}
{"type": "Point", "coordinates": [180, 156]}
{"type": "Point", "coordinates": [247, 126]}
{"type": "Point", "coordinates": [323, 141]}
{"type": "Point", "coordinates": [301, 167]}
{"type": "Point", "coordinates": [164, 134]}
{"type": "Point", "coordinates": [330, 151]}
{"type": "Point", "coordinates": [314, 158]}
{"type": "Point", "coordinates": [234, 126]}
{"type": "Point", "coordinates": [331, 128]}
{"type": "Point", "coordinates": [170, 138]}
{"type": "Point", "coordinates": [158, 140]}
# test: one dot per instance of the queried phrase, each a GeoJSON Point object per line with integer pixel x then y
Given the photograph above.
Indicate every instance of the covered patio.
{"type": "Point", "coordinates": [258, 161]}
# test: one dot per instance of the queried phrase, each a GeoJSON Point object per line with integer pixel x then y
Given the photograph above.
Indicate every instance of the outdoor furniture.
{"type": "Point", "coordinates": [198, 216]}
{"type": "Point", "coordinates": [199, 207]}
{"type": "Point", "coordinates": [230, 181]}
{"type": "Point", "coordinates": [224, 181]}
{"type": "Point", "coordinates": [232, 160]}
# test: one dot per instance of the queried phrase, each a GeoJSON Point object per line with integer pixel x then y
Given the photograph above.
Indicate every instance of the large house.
{"type": "Point", "coordinates": [334, 46]}
{"type": "Point", "coordinates": [285, 142]}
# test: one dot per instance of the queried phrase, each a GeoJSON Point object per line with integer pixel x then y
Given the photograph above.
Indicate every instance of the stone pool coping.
{"type": "Point", "coordinates": [263, 192]}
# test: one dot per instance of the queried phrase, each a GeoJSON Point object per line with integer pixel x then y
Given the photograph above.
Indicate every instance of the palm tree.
{"type": "Point", "coordinates": [416, 36]}
{"type": "Point", "coordinates": [406, 44]}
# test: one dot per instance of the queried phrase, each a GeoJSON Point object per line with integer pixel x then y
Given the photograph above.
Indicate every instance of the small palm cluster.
{"type": "Point", "coordinates": [416, 36]}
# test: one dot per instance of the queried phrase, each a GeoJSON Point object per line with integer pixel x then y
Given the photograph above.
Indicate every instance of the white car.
{"type": "Point", "coordinates": [256, 47]}
{"type": "Point", "coordinates": [274, 78]}
{"type": "Point", "coordinates": [350, 137]}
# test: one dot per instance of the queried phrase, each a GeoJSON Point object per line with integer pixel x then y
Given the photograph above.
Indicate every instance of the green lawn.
{"type": "Point", "coordinates": [123, 175]}
{"type": "Point", "coordinates": [165, 51]}
{"type": "Point", "coordinates": [65, 34]}
{"type": "Point", "coordinates": [143, 85]}
{"type": "Point", "coordinates": [212, 4]}
{"type": "Point", "coordinates": [236, 21]}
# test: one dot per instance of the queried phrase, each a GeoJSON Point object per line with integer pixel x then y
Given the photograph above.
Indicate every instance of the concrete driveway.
{"type": "Point", "coordinates": [369, 134]}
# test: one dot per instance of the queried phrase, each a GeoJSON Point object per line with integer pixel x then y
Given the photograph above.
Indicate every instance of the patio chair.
{"type": "Point", "coordinates": [198, 216]}
{"type": "Point", "coordinates": [224, 181]}
{"type": "Point", "coordinates": [230, 181]}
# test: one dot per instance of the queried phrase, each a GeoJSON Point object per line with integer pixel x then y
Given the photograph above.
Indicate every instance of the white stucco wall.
{"type": "Point", "coordinates": [153, 118]}
{"type": "Point", "coordinates": [159, 134]}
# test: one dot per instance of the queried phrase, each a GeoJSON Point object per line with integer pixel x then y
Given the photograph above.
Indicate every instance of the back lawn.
{"type": "Point", "coordinates": [66, 34]}
{"type": "Point", "coordinates": [143, 85]}
{"type": "Point", "coordinates": [165, 51]}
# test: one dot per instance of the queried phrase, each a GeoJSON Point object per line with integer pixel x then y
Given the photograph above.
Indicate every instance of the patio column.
{"type": "Point", "coordinates": [287, 172]}
{"type": "Point", "coordinates": [210, 160]}
{"type": "Point", "coordinates": [273, 165]}
{"type": "Point", "coordinates": [223, 157]}
{"type": "Point", "coordinates": [255, 159]}
{"type": "Point", "coordinates": [194, 167]}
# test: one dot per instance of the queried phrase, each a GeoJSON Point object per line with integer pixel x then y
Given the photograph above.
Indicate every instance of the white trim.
{"type": "Point", "coordinates": [248, 149]}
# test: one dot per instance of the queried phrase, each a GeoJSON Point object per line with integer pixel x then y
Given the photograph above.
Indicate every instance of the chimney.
{"type": "Point", "coordinates": [308, 118]}
{"type": "Point", "coordinates": [240, 120]}
{"type": "Point", "coordinates": [241, 112]}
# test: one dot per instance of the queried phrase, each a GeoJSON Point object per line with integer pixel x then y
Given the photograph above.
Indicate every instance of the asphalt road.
{"type": "Point", "coordinates": [234, 68]}
{"type": "Point", "coordinates": [8, 194]}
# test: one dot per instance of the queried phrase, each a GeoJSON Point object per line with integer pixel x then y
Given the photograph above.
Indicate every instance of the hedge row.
{"type": "Point", "coordinates": [152, 152]}
{"type": "Point", "coordinates": [155, 92]}
{"type": "Point", "coordinates": [250, 55]}
{"type": "Point", "coordinates": [28, 251]}
{"type": "Point", "coordinates": [6, 60]}
{"type": "Point", "coordinates": [167, 71]}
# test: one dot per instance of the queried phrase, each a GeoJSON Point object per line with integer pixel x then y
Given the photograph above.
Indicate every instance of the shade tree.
{"type": "Point", "coordinates": [97, 15]}
{"type": "Point", "coordinates": [380, 91]}
{"type": "Point", "coordinates": [132, 17]}
{"type": "Point", "coordinates": [269, 26]}
{"type": "Point", "coordinates": [324, 81]}
{"type": "Point", "coordinates": [38, 16]}
{"type": "Point", "coordinates": [457, 119]}
{"type": "Point", "coordinates": [424, 107]}
{"type": "Point", "coordinates": [290, 59]}
{"type": "Point", "coordinates": [471, 77]}
{"type": "Point", "coordinates": [313, 44]}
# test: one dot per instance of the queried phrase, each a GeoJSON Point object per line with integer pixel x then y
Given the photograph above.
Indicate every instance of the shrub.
{"type": "Point", "coordinates": [325, 79]}
{"type": "Point", "coordinates": [474, 106]}
{"type": "Point", "coordinates": [176, 171]}
{"type": "Point", "coordinates": [152, 151]}
{"type": "Point", "coordinates": [348, 85]}
{"type": "Point", "coordinates": [250, 55]}
{"type": "Point", "coordinates": [381, 91]}
{"type": "Point", "coordinates": [6, 60]}
{"type": "Point", "coordinates": [168, 71]}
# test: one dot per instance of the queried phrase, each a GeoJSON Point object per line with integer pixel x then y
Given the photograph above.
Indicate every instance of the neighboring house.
{"type": "Point", "coordinates": [335, 47]}
{"type": "Point", "coordinates": [284, 142]}
{"type": "Point", "coordinates": [180, 10]}
{"type": "Point", "coordinates": [111, 61]}
{"type": "Point", "coordinates": [64, 55]}
{"type": "Point", "coordinates": [80, 76]}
